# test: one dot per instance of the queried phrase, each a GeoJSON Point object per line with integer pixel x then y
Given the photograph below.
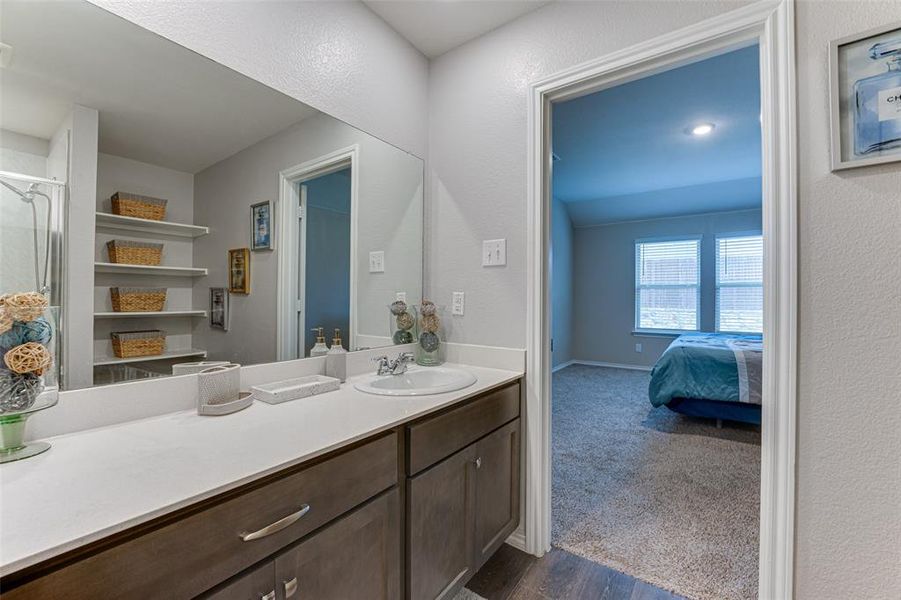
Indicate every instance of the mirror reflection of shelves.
{"type": "Point", "coordinates": [149, 226]}
{"type": "Point", "coordinates": [160, 314]}
{"type": "Point", "coordinates": [107, 267]}
{"type": "Point", "coordinates": [103, 360]}
{"type": "Point", "coordinates": [176, 279]}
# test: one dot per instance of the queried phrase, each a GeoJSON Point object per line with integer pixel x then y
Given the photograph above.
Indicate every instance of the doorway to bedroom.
{"type": "Point", "coordinates": [656, 301]}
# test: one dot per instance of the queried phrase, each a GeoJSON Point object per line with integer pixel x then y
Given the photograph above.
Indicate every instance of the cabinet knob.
{"type": "Point", "coordinates": [478, 462]}
{"type": "Point", "coordinates": [290, 587]}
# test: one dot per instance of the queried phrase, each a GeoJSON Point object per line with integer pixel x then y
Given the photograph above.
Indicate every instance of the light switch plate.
{"type": "Point", "coordinates": [401, 296]}
{"type": "Point", "coordinates": [457, 305]}
{"type": "Point", "coordinates": [494, 253]}
{"type": "Point", "coordinates": [377, 261]}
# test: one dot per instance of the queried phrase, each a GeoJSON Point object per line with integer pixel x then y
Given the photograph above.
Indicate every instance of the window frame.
{"type": "Point", "coordinates": [716, 279]}
{"type": "Point", "coordinates": [637, 328]}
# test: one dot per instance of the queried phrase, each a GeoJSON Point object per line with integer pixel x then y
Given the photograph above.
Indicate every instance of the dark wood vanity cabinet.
{"type": "Point", "coordinates": [462, 508]}
{"type": "Point", "coordinates": [412, 512]}
{"type": "Point", "coordinates": [358, 556]}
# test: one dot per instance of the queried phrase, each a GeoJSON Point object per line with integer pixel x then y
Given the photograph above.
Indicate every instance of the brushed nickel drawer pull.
{"type": "Point", "coordinates": [290, 587]}
{"type": "Point", "coordinates": [269, 596]}
{"type": "Point", "coordinates": [277, 526]}
{"type": "Point", "coordinates": [478, 462]}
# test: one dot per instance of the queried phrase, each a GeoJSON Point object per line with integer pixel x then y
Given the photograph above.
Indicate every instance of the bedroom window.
{"type": "Point", "coordinates": [739, 284]}
{"type": "Point", "coordinates": [667, 284]}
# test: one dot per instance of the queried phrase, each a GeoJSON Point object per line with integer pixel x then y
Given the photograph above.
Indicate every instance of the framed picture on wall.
{"type": "Point", "coordinates": [239, 271]}
{"type": "Point", "coordinates": [865, 98]}
{"type": "Point", "coordinates": [261, 226]}
{"type": "Point", "coordinates": [219, 308]}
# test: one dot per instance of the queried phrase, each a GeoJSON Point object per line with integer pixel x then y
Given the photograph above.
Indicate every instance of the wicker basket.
{"type": "Point", "coordinates": [134, 253]}
{"type": "Point", "coordinates": [129, 344]}
{"type": "Point", "coordinates": [142, 207]}
{"type": "Point", "coordinates": [126, 299]}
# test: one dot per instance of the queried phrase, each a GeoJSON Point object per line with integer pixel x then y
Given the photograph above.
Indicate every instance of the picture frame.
{"type": "Point", "coordinates": [219, 308]}
{"type": "Point", "coordinates": [261, 226]}
{"type": "Point", "coordinates": [865, 98]}
{"type": "Point", "coordinates": [239, 271]}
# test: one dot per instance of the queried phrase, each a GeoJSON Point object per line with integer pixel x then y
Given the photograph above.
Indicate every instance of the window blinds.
{"type": "Point", "coordinates": [667, 284]}
{"type": "Point", "coordinates": [739, 284]}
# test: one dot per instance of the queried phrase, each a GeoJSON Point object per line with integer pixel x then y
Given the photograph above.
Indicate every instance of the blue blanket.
{"type": "Point", "coordinates": [709, 366]}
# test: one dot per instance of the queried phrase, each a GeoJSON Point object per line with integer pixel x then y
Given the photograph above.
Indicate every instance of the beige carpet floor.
{"type": "Point", "coordinates": [671, 500]}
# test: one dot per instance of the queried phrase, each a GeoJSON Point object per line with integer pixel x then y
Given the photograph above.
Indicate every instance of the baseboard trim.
{"type": "Point", "coordinates": [563, 366]}
{"type": "Point", "coordinates": [517, 539]}
{"type": "Point", "coordinates": [597, 363]}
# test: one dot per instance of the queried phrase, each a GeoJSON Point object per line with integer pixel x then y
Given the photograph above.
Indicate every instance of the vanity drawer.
{"type": "Point", "coordinates": [437, 437]}
{"type": "Point", "coordinates": [189, 555]}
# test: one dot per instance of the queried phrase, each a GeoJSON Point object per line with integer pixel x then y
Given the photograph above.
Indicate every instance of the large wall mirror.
{"type": "Point", "coordinates": [153, 193]}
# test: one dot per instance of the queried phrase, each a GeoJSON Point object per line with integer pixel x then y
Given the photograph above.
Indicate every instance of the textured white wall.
{"type": "Point", "coordinates": [338, 57]}
{"type": "Point", "coordinates": [604, 283]}
{"type": "Point", "coordinates": [477, 146]}
{"type": "Point", "coordinates": [849, 445]}
{"type": "Point", "coordinates": [849, 470]}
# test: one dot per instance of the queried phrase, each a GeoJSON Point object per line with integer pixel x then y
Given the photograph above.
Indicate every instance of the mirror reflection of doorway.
{"type": "Point", "coordinates": [324, 225]}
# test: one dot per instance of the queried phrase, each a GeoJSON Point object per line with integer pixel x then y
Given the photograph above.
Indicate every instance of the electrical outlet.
{"type": "Point", "coordinates": [401, 296]}
{"type": "Point", "coordinates": [494, 253]}
{"type": "Point", "coordinates": [377, 261]}
{"type": "Point", "coordinates": [638, 348]}
{"type": "Point", "coordinates": [457, 305]}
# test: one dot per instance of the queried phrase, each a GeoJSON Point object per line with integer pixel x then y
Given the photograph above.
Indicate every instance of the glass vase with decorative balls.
{"type": "Point", "coordinates": [429, 334]}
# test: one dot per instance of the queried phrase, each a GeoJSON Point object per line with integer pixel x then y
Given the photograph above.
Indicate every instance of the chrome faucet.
{"type": "Point", "coordinates": [398, 366]}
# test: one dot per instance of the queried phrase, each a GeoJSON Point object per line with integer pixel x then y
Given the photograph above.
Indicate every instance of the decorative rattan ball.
{"type": "Point", "coordinates": [398, 307]}
{"type": "Point", "coordinates": [28, 358]}
{"type": "Point", "coordinates": [429, 341]}
{"type": "Point", "coordinates": [6, 320]}
{"type": "Point", "coordinates": [18, 391]}
{"type": "Point", "coordinates": [405, 321]}
{"type": "Point", "coordinates": [428, 307]}
{"type": "Point", "coordinates": [25, 306]}
{"type": "Point", "coordinates": [430, 323]}
{"type": "Point", "coordinates": [402, 337]}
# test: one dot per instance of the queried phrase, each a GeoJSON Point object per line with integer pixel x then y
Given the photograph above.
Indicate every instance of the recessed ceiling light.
{"type": "Point", "coordinates": [701, 129]}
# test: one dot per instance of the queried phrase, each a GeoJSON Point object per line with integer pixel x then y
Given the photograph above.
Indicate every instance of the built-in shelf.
{"type": "Point", "coordinates": [162, 313]}
{"type": "Point", "coordinates": [105, 267]}
{"type": "Point", "coordinates": [115, 360]}
{"type": "Point", "coordinates": [110, 221]}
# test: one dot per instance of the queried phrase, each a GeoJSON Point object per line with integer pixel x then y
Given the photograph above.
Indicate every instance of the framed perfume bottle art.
{"type": "Point", "coordinates": [261, 226]}
{"type": "Point", "coordinates": [865, 98]}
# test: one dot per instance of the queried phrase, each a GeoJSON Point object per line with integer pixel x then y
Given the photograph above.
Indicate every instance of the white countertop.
{"type": "Point", "coordinates": [94, 483]}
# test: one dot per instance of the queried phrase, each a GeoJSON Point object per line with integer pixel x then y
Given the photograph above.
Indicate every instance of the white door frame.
{"type": "Point", "coordinates": [771, 23]}
{"type": "Point", "coordinates": [288, 283]}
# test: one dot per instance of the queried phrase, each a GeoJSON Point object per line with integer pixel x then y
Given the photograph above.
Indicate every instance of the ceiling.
{"type": "Point", "coordinates": [436, 26]}
{"type": "Point", "coordinates": [624, 152]}
{"type": "Point", "coordinates": [158, 102]}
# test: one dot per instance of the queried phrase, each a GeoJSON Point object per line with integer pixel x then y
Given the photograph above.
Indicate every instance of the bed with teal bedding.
{"type": "Point", "coordinates": [711, 375]}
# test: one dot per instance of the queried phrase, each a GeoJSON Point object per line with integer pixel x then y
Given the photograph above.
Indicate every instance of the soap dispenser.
{"type": "Point", "coordinates": [320, 349]}
{"type": "Point", "coordinates": [336, 359]}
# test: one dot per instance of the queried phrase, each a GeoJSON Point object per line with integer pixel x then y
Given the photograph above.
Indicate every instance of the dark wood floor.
{"type": "Point", "coordinates": [558, 575]}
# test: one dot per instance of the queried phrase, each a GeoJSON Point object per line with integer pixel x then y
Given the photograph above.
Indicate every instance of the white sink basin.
{"type": "Point", "coordinates": [418, 381]}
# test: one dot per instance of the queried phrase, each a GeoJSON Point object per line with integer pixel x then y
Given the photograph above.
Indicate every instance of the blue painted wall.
{"type": "Point", "coordinates": [327, 256]}
{"type": "Point", "coordinates": [561, 283]}
{"type": "Point", "coordinates": [604, 283]}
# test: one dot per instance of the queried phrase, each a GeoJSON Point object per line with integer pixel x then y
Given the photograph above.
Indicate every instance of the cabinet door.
{"type": "Point", "coordinates": [497, 490]}
{"type": "Point", "coordinates": [357, 556]}
{"type": "Point", "coordinates": [257, 584]}
{"type": "Point", "coordinates": [440, 525]}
